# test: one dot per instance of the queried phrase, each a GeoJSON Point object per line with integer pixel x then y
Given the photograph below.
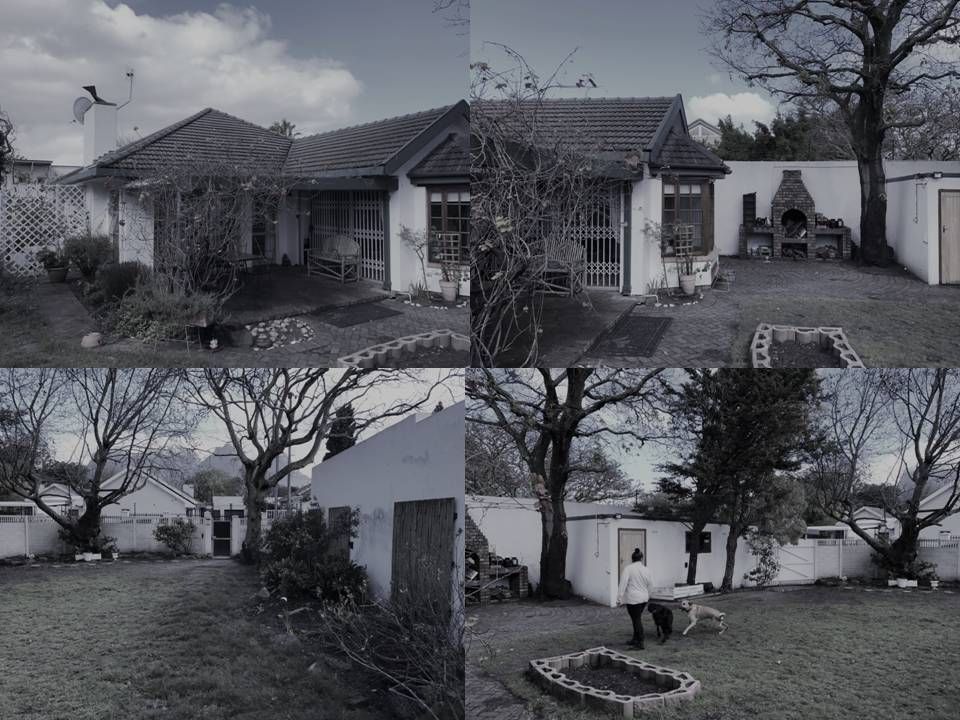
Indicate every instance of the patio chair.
{"type": "Point", "coordinates": [565, 268]}
{"type": "Point", "coordinates": [338, 257]}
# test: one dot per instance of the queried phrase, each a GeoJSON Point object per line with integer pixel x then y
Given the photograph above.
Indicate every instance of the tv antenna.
{"type": "Point", "coordinates": [130, 97]}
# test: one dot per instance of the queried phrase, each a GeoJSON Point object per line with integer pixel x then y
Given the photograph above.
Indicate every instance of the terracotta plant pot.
{"type": "Point", "coordinates": [688, 283]}
{"type": "Point", "coordinates": [57, 275]}
{"type": "Point", "coordinates": [449, 289]}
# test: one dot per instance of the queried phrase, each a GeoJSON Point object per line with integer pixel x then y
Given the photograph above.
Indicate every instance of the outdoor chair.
{"type": "Point", "coordinates": [338, 257]}
{"type": "Point", "coordinates": [564, 269]}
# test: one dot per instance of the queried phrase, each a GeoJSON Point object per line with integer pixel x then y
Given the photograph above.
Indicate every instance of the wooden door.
{"type": "Point", "coordinates": [338, 520]}
{"type": "Point", "coordinates": [949, 237]}
{"type": "Point", "coordinates": [423, 562]}
{"type": "Point", "coordinates": [630, 540]}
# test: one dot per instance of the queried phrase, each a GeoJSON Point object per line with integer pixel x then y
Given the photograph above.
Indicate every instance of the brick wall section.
{"type": "Point", "coordinates": [476, 543]}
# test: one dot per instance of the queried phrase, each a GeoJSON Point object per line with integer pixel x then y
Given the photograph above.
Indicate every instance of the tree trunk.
{"type": "Point", "coordinates": [695, 532]}
{"type": "Point", "coordinates": [255, 505]}
{"type": "Point", "coordinates": [869, 134]}
{"type": "Point", "coordinates": [553, 549]}
{"type": "Point", "coordinates": [732, 540]}
{"type": "Point", "coordinates": [902, 552]}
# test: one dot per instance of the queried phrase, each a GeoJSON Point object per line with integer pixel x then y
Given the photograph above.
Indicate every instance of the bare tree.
{"type": "Point", "coordinates": [858, 56]}
{"type": "Point", "coordinates": [277, 419]}
{"type": "Point", "coordinates": [6, 145]}
{"type": "Point", "coordinates": [545, 412]}
{"type": "Point", "coordinates": [912, 416]}
{"type": "Point", "coordinates": [126, 422]}
{"type": "Point", "coordinates": [529, 188]}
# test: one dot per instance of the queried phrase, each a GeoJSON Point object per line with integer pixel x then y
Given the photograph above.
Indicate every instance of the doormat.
{"type": "Point", "coordinates": [631, 336]}
{"type": "Point", "coordinates": [355, 314]}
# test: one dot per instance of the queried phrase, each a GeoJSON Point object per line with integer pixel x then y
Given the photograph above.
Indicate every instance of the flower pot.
{"type": "Point", "coordinates": [87, 557]}
{"type": "Point", "coordinates": [688, 283]}
{"type": "Point", "coordinates": [449, 289]}
{"type": "Point", "coordinates": [934, 584]}
{"type": "Point", "coordinates": [902, 582]}
{"type": "Point", "coordinates": [57, 275]}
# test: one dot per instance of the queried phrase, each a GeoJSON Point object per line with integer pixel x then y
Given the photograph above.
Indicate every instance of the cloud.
{"type": "Point", "coordinates": [184, 62]}
{"type": "Point", "coordinates": [743, 107]}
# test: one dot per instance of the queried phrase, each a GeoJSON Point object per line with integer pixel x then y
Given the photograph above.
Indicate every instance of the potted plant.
{"type": "Point", "coordinates": [54, 263]}
{"type": "Point", "coordinates": [688, 276]}
{"type": "Point", "coordinates": [449, 281]}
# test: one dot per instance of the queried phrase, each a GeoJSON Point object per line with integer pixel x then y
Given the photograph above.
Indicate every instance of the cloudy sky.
{"type": "Point", "coordinates": [321, 65]}
{"type": "Point", "coordinates": [630, 47]}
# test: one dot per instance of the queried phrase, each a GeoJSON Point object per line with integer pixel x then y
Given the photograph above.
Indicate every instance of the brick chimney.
{"type": "Point", "coordinates": [99, 130]}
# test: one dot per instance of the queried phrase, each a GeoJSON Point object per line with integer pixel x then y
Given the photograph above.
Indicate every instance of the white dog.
{"type": "Point", "coordinates": [702, 612]}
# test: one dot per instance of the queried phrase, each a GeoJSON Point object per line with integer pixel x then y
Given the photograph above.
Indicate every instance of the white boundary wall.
{"type": "Point", "coordinates": [512, 528]}
{"type": "Point", "coordinates": [37, 535]}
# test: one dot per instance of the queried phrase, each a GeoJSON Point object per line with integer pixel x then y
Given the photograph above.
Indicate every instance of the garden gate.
{"type": "Point", "coordinates": [423, 535]}
{"type": "Point", "coordinates": [797, 564]}
{"type": "Point", "coordinates": [35, 216]}
{"type": "Point", "coordinates": [358, 214]}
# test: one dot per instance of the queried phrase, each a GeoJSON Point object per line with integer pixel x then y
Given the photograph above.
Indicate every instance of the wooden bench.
{"type": "Point", "coordinates": [564, 268]}
{"type": "Point", "coordinates": [338, 257]}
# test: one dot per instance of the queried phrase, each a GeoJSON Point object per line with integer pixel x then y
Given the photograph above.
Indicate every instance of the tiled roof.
{"type": "Point", "coordinates": [370, 145]}
{"type": "Point", "coordinates": [679, 150]}
{"type": "Point", "coordinates": [595, 125]}
{"type": "Point", "coordinates": [451, 158]}
{"type": "Point", "coordinates": [210, 136]}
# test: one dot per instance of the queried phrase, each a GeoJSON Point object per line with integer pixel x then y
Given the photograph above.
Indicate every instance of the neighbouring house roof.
{"type": "Point", "coordinates": [219, 502]}
{"type": "Point", "coordinates": [940, 495]}
{"type": "Point", "coordinates": [612, 129]}
{"type": "Point", "coordinates": [370, 149]}
{"type": "Point", "coordinates": [169, 489]}
{"type": "Point", "coordinates": [704, 123]}
{"type": "Point", "coordinates": [448, 160]}
{"type": "Point", "coordinates": [217, 138]}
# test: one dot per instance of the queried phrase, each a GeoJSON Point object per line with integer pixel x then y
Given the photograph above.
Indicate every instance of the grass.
{"type": "Point", "coordinates": [825, 653]}
{"type": "Point", "coordinates": [157, 640]}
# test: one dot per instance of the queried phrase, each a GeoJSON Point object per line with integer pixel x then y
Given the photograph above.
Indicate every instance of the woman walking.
{"type": "Point", "coordinates": [635, 584]}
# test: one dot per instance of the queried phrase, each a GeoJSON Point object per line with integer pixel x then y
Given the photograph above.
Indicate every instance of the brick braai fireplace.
{"type": "Point", "coordinates": [795, 230]}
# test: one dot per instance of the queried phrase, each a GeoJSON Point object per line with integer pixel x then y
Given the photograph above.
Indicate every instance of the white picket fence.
{"type": "Point", "coordinates": [38, 535]}
{"type": "Point", "coordinates": [810, 560]}
{"type": "Point", "coordinates": [35, 216]}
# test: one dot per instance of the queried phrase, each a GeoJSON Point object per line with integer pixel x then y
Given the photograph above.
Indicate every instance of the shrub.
{"type": "Point", "coordinates": [115, 280]}
{"type": "Point", "coordinates": [51, 258]}
{"type": "Point", "coordinates": [158, 310]}
{"type": "Point", "coordinates": [764, 550]}
{"type": "Point", "coordinates": [176, 534]}
{"type": "Point", "coordinates": [297, 559]}
{"type": "Point", "coordinates": [88, 252]}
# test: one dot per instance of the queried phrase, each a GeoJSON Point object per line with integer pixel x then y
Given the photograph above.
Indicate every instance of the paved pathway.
{"type": "Point", "coordinates": [891, 318]}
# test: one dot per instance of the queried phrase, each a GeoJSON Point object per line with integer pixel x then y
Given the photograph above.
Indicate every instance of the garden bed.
{"type": "Point", "coordinates": [614, 680]}
{"type": "Point", "coordinates": [409, 351]}
{"type": "Point", "coordinates": [794, 346]}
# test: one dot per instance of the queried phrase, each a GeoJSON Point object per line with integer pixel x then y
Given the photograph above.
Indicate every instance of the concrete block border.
{"type": "Point", "coordinates": [830, 338]}
{"type": "Point", "coordinates": [391, 353]}
{"type": "Point", "coordinates": [548, 674]}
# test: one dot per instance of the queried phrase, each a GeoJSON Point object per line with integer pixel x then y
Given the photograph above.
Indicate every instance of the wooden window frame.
{"type": "Point", "coordinates": [706, 195]}
{"type": "Point", "coordinates": [444, 189]}
{"type": "Point", "coordinates": [706, 542]}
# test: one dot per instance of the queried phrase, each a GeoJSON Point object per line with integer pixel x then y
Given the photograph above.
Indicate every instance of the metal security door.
{"type": "Point", "coordinates": [949, 237]}
{"type": "Point", "coordinates": [599, 229]}
{"type": "Point", "coordinates": [358, 214]}
{"type": "Point", "coordinates": [221, 538]}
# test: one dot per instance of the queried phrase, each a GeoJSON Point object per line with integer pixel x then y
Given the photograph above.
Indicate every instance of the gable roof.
{"type": "Point", "coordinates": [611, 129]}
{"type": "Point", "coordinates": [449, 159]}
{"type": "Point", "coordinates": [937, 494]}
{"type": "Point", "coordinates": [680, 151]}
{"type": "Point", "coordinates": [704, 123]}
{"type": "Point", "coordinates": [217, 138]}
{"type": "Point", "coordinates": [169, 489]}
{"type": "Point", "coordinates": [372, 148]}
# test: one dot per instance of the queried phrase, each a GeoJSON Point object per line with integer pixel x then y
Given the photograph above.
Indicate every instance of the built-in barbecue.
{"type": "Point", "coordinates": [795, 229]}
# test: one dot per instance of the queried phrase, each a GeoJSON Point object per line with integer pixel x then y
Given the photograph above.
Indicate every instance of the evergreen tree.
{"type": "Point", "coordinates": [343, 432]}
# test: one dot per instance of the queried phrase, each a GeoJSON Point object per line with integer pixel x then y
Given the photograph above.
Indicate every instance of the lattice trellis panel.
{"type": "Point", "coordinates": [355, 213]}
{"type": "Point", "coordinates": [33, 217]}
{"type": "Point", "coordinates": [599, 229]}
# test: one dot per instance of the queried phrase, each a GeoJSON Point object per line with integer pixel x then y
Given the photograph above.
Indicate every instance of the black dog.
{"type": "Point", "coordinates": [663, 619]}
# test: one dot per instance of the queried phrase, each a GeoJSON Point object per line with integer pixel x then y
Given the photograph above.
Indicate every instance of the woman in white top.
{"type": "Point", "coordinates": [635, 584]}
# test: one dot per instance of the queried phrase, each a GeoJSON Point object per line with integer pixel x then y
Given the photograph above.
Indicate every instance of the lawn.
{"type": "Point", "coordinates": [157, 640]}
{"type": "Point", "coordinates": [824, 653]}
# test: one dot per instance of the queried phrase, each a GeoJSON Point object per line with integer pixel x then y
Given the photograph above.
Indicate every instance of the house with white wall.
{"type": "Point", "coordinates": [152, 497]}
{"type": "Point", "coordinates": [406, 485]}
{"type": "Point", "coordinates": [368, 181]}
{"type": "Point", "coordinates": [876, 520]}
{"type": "Point", "coordinates": [657, 174]}
{"type": "Point", "coordinates": [705, 133]}
{"type": "Point", "coordinates": [601, 539]}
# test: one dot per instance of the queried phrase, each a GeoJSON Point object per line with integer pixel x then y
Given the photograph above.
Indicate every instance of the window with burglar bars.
{"type": "Point", "coordinates": [449, 222]}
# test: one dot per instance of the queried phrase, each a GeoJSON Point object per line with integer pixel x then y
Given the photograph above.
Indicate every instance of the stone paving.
{"type": "Point", "coordinates": [890, 317]}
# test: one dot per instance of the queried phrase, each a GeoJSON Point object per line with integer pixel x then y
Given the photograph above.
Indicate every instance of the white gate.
{"type": "Point", "coordinates": [600, 231]}
{"type": "Point", "coordinates": [358, 214]}
{"type": "Point", "coordinates": [35, 216]}
{"type": "Point", "coordinates": [797, 564]}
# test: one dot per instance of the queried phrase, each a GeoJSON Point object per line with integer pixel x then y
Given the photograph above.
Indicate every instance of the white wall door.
{"type": "Point", "coordinates": [949, 237]}
{"type": "Point", "coordinates": [629, 540]}
{"type": "Point", "coordinates": [797, 564]}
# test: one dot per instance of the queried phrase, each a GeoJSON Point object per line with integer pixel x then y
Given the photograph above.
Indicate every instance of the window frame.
{"type": "Point", "coordinates": [432, 250]}
{"type": "Point", "coordinates": [704, 193]}
{"type": "Point", "coordinates": [706, 542]}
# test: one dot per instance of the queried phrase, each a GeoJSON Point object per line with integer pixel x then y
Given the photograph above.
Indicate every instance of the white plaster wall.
{"type": "Point", "coordinates": [136, 228]}
{"type": "Point", "coordinates": [646, 208]}
{"type": "Point", "coordinates": [148, 500]}
{"type": "Point", "coordinates": [410, 460]}
{"type": "Point", "coordinates": [97, 199]}
{"type": "Point", "coordinates": [909, 226]}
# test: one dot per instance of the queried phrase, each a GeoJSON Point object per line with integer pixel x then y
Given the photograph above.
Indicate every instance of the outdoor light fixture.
{"type": "Point", "coordinates": [937, 175]}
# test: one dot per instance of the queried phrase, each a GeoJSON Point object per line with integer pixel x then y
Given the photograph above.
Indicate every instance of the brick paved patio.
{"type": "Point", "coordinates": [891, 318]}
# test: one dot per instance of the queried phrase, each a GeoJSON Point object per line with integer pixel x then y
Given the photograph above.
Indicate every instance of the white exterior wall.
{"type": "Point", "coordinates": [912, 205]}
{"type": "Point", "coordinates": [410, 460]}
{"type": "Point", "coordinates": [151, 499]}
{"type": "Point", "coordinates": [136, 227]}
{"type": "Point", "coordinates": [97, 198]}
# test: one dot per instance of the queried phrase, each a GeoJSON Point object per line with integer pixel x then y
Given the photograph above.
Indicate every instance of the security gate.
{"type": "Point", "coordinates": [357, 213]}
{"type": "Point", "coordinates": [599, 229]}
{"type": "Point", "coordinates": [221, 538]}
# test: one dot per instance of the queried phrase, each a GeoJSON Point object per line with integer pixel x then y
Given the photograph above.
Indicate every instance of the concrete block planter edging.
{"type": "Point", "coordinates": [829, 338]}
{"type": "Point", "coordinates": [548, 674]}
{"type": "Point", "coordinates": [388, 353]}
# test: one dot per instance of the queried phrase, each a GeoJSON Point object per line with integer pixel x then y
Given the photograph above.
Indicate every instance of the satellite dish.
{"type": "Point", "coordinates": [80, 107]}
